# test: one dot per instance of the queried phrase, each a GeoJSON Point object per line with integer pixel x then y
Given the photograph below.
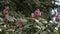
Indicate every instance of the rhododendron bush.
{"type": "Point", "coordinates": [29, 26]}
{"type": "Point", "coordinates": [34, 24]}
{"type": "Point", "coordinates": [28, 17]}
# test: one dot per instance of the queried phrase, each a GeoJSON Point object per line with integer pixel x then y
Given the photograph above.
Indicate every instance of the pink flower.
{"type": "Point", "coordinates": [19, 21]}
{"type": "Point", "coordinates": [6, 18]}
{"type": "Point", "coordinates": [5, 11]}
{"type": "Point", "coordinates": [58, 16]}
{"type": "Point", "coordinates": [37, 13]}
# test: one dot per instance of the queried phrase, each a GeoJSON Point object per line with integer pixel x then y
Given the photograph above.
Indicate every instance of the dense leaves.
{"type": "Point", "coordinates": [29, 24]}
{"type": "Point", "coordinates": [25, 6]}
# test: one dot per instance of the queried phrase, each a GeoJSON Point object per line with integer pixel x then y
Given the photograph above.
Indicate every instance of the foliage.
{"type": "Point", "coordinates": [25, 6]}
{"type": "Point", "coordinates": [22, 8]}
{"type": "Point", "coordinates": [32, 26]}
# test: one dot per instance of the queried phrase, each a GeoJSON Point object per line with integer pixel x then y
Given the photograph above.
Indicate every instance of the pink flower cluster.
{"type": "Point", "coordinates": [5, 12]}
{"type": "Point", "coordinates": [19, 21]}
{"type": "Point", "coordinates": [6, 18]}
{"type": "Point", "coordinates": [36, 13]}
{"type": "Point", "coordinates": [58, 17]}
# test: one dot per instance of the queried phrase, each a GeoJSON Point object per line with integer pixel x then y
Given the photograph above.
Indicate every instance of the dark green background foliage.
{"type": "Point", "coordinates": [26, 7]}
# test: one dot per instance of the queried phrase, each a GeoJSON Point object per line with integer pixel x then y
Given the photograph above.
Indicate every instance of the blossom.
{"type": "Point", "coordinates": [37, 13]}
{"type": "Point", "coordinates": [19, 21]}
{"type": "Point", "coordinates": [58, 16]}
{"type": "Point", "coordinates": [5, 11]}
{"type": "Point", "coordinates": [6, 18]}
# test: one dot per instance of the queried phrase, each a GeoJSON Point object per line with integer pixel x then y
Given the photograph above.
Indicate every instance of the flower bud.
{"type": "Point", "coordinates": [58, 17]}
{"type": "Point", "coordinates": [6, 18]}
{"type": "Point", "coordinates": [5, 11]}
{"type": "Point", "coordinates": [37, 13]}
{"type": "Point", "coordinates": [19, 21]}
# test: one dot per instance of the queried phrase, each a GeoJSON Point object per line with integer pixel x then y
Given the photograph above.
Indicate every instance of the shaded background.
{"type": "Point", "coordinates": [26, 7]}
